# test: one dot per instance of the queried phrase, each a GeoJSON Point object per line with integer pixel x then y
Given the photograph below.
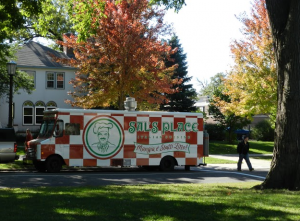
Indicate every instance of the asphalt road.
{"type": "Point", "coordinates": [131, 177]}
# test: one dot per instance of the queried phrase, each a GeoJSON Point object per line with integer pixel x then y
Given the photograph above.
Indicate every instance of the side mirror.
{"type": "Point", "coordinates": [57, 132]}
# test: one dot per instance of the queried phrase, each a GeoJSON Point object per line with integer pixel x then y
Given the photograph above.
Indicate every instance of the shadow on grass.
{"type": "Point", "coordinates": [159, 202]}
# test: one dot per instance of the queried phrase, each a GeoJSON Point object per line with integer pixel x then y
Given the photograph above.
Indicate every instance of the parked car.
{"type": "Point", "coordinates": [8, 145]}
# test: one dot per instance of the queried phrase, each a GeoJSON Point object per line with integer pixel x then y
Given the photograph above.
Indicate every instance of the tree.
{"type": "Point", "coordinates": [176, 4]}
{"type": "Point", "coordinates": [26, 19]}
{"type": "Point", "coordinates": [184, 99]}
{"type": "Point", "coordinates": [12, 19]}
{"type": "Point", "coordinates": [251, 84]}
{"type": "Point", "coordinates": [54, 21]}
{"type": "Point", "coordinates": [83, 17]}
{"type": "Point", "coordinates": [84, 11]}
{"type": "Point", "coordinates": [217, 93]}
{"type": "Point", "coordinates": [21, 80]}
{"type": "Point", "coordinates": [285, 166]}
{"type": "Point", "coordinates": [208, 88]}
{"type": "Point", "coordinates": [228, 119]}
{"type": "Point", "coordinates": [123, 58]}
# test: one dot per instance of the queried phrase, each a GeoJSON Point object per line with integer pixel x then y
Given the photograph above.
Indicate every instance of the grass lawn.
{"type": "Point", "coordinates": [166, 202]}
{"type": "Point", "coordinates": [16, 165]}
{"type": "Point", "coordinates": [211, 160]}
{"type": "Point", "coordinates": [256, 147]}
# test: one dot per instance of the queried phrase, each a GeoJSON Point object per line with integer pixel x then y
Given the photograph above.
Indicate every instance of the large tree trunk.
{"type": "Point", "coordinates": [285, 167]}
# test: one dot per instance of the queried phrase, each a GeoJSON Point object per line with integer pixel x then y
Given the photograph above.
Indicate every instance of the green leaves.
{"type": "Point", "coordinates": [176, 4]}
{"type": "Point", "coordinates": [84, 15]}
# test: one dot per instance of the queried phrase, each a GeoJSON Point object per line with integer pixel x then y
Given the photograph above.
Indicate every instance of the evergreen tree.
{"type": "Point", "coordinates": [184, 99]}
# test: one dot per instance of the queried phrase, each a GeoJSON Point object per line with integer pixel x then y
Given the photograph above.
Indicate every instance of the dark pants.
{"type": "Point", "coordinates": [246, 157]}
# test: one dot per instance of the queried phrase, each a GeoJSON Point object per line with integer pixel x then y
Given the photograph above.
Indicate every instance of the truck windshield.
{"type": "Point", "coordinates": [46, 129]}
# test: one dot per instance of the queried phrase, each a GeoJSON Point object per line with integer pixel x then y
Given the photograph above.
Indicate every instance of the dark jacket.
{"type": "Point", "coordinates": [243, 148]}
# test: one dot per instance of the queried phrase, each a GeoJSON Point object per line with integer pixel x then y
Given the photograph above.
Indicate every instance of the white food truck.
{"type": "Point", "coordinates": [102, 138]}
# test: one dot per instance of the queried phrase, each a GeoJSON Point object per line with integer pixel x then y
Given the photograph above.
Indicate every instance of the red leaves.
{"type": "Point", "coordinates": [123, 57]}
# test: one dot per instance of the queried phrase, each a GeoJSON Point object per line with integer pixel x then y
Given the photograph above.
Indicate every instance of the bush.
{"type": "Point", "coordinates": [216, 131]}
{"type": "Point", "coordinates": [263, 131]}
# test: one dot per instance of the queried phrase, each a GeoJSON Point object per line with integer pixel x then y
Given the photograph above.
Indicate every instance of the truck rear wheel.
{"type": "Point", "coordinates": [167, 164]}
{"type": "Point", "coordinates": [54, 164]}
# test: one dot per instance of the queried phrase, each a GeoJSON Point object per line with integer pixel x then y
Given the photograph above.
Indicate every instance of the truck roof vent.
{"type": "Point", "coordinates": [130, 104]}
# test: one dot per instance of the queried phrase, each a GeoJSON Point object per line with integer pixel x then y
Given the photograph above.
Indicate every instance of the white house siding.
{"type": "Point", "coordinates": [35, 57]}
{"type": "Point", "coordinates": [41, 93]}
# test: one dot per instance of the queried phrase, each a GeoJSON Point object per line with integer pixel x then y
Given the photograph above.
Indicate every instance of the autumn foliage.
{"type": "Point", "coordinates": [123, 57]}
{"type": "Point", "coordinates": [252, 82]}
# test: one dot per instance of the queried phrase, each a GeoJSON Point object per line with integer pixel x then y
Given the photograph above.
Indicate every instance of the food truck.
{"type": "Point", "coordinates": [105, 138]}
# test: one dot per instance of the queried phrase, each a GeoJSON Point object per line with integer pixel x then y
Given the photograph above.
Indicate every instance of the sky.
{"type": "Point", "coordinates": [205, 29]}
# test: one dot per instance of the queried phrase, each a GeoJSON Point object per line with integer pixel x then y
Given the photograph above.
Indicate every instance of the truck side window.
{"type": "Point", "coordinates": [72, 129]}
{"type": "Point", "coordinates": [59, 128]}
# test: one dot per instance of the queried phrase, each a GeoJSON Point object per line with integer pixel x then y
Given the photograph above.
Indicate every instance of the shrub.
{"type": "Point", "coordinates": [216, 131]}
{"type": "Point", "coordinates": [263, 131]}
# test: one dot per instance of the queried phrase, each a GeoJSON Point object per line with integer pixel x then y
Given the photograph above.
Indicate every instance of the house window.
{"type": "Point", "coordinates": [39, 112]}
{"type": "Point", "coordinates": [60, 80]}
{"type": "Point", "coordinates": [50, 80]}
{"type": "Point", "coordinates": [31, 74]}
{"type": "Point", "coordinates": [28, 113]}
{"type": "Point", "coordinates": [55, 80]}
{"type": "Point", "coordinates": [33, 113]}
{"type": "Point", "coordinates": [51, 105]}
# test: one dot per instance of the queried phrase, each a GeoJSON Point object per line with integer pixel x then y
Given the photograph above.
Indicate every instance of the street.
{"type": "Point", "coordinates": [128, 177]}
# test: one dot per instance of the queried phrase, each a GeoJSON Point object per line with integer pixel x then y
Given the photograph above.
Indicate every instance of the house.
{"type": "Point", "coordinates": [51, 81]}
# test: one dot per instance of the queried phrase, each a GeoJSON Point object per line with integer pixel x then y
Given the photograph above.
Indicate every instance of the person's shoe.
{"type": "Point", "coordinates": [239, 170]}
{"type": "Point", "coordinates": [251, 169]}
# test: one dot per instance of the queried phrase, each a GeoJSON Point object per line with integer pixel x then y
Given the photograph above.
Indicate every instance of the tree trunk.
{"type": "Point", "coordinates": [285, 167]}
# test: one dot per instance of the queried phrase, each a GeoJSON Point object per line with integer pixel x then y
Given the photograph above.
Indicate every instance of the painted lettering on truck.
{"type": "Point", "coordinates": [166, 126]}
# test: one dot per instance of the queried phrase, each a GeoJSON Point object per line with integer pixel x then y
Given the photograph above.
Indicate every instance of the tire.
{"type": "Point", "coordinates": [187, 168]}
{"type": "Point", "coordinates": [167, 164]}
{"type": "Point", "coordinates": [39, 166]}
{"type": "Point", "coordinates": [54, 164]}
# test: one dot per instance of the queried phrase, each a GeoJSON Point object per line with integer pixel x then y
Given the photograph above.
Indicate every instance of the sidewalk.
{"type": "Point", "coordinates": [257, 164]}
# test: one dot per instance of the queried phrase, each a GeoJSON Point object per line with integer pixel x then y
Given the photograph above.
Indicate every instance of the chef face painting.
{"type": "Point", "coordinates": [103, 137]}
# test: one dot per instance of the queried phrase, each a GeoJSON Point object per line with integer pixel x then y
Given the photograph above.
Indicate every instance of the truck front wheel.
{"type": "Point", "coordinates": [54, 164]}
{"type": "Point", "coordinates": [167, 164]}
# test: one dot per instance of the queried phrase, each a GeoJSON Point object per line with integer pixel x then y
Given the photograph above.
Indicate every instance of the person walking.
{"type": "Point", "coordinates": [243, 150]}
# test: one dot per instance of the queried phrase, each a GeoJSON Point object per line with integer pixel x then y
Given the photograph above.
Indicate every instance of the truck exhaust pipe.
{"type": "Point", "coordinates": [130, 104]}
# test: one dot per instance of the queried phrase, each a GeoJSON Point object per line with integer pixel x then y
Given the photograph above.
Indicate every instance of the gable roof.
{"type": "Point", "coordinates": [35, 55]}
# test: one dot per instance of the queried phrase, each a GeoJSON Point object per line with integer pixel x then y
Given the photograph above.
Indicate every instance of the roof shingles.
{"type": "Point", "coordinates": [36, 55]}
